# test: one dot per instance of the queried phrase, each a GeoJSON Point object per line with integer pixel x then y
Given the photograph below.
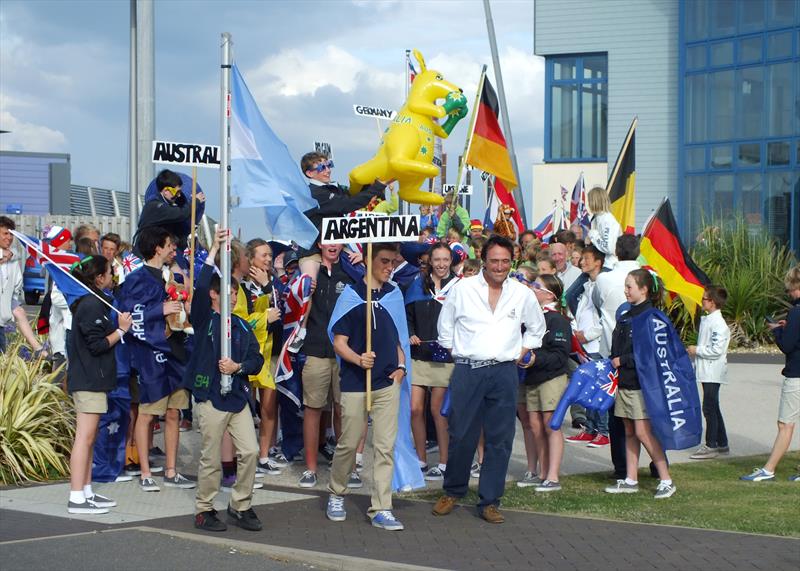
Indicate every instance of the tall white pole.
{"type": "Point", "coordinates": [404, 207]}
{"type": "Point", "coordinates": [501, 93]}
{"type": "Point", "coordinates": [224, 194]}
{"type": "Point", "coordinates": [133, 161]}
{"type": "Point", "coordinates": [146, 87]}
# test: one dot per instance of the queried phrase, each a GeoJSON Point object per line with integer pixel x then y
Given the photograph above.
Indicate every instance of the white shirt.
{"type": "Point", "coordinates": [711, 361]}
{"type": "Point", "coordinates": [603, 234]}
{"type": "Point", "coordinates": [569, 275]}
{"type": "Point", "coordinates": [587, 319]}
{"type": "Point", "coordinates": [471, 330]}
{"type": "Point", "coordinates": [610, 294]}
{"type": "Point", "coordinates": [10, 289]}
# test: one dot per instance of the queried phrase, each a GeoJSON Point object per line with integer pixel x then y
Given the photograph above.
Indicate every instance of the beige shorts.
{"type": "Point", "coordinates": [544, 397]}
{"type": "Point", "coordinates": [630, 404]}
{"type": "Point", "coordinates": [90, 402]}
{"type": "Point", "coordinates": [789, 408]}
{"type": "Point", "coordinates": [431, 374]}
{"type": "Point", "coordinates": [178, 399]}
{"type": "Point", "coordinates": [320, 379]}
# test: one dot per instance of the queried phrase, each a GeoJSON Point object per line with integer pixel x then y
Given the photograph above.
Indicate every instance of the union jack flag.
{"type": "Point", "coordinates": [43, 253]}
{"type": "Point", "coordinates": [546, 228]}
{"type": "Point", "coordinates": [130, 263]}
{"type": "Point", "coordinates": [295, 301]}
{"type": "Point", "coordinates": [610, 388]}
{"type": "Point", "coordinates": [577, 207]}
{"type": "Point", "coordinates": [412, 73]}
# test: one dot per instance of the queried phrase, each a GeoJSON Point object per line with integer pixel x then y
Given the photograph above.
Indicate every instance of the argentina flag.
{"type": "Point", "coordinates": [263, 173]}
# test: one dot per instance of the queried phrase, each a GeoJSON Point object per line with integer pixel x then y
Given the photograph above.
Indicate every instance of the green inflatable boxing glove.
{"type": "Point", "coordinates": [456, 107]}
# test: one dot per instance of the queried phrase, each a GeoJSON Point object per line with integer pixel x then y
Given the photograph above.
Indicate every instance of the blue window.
{"type": "Point", "coordinates": [576, 108]}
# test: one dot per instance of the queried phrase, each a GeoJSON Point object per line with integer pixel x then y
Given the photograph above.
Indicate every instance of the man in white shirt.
{"type": "Point", "coordinates": [565, 271]}
{"type": "Point", "coordinates": [481, 323]}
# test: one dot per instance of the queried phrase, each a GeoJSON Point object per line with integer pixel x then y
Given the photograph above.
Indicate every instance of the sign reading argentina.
{"type": "Point", "coordinates": [347, 229]}
{"type": "Point", "coordinates": [186, 154]}
{"type": "Point", "coordinates": [377, 112]}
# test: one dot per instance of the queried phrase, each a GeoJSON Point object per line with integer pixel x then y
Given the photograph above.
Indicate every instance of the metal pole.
{"type": "Point", "coordinates": [224, 192]}
{"type": "Point", "coordinates": [146, 87]}
{"type": "Point", "coordinates": [501, 93]}
{"type": "Point", "coordinates": [406, 208]}
{"type": "Point", "coordinates": [133, 160]}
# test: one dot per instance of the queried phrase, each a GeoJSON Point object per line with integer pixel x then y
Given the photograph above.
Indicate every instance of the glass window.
{"type": "Point", "coordinates": [696, 209]}
{"type": "Point", "coordinates": [778, 203]}
{"type": "Point", "coordinates": [564, 101]}
{"type": "Point", "coordinates": [696, 14]}
{"type": "Point", "coordinates": [721, 54]}
{"type": "Point", "coordinates": [749, 185]}
{"type": "Point", "coordinates": [778, 154]}
{"type": "Point", "coordinates": [750, 121]}
{"type": "Point", "coordinates": [723, 18]}
{"type": "Point", "coordinates": [595, 67]}
{"type": "Point", "coordinates": [720, 105]}
{"type": "Point", "coordinates": [594, 119]}
{"type": "Point", "coordinates": [695, 108]}
{"type": "Point", "coordinates": [781, 112]}
{"type": "Point", "coordinates": [696, 57]}
{"type": "Point", "coordinates": [749, 155]}
{"type": "Point", "coordinates": [722, 196]}
{"type": "Point", "coordinates": [750, 49]}
{"type": "Point", "coordinates": [721, 157]}
{"type": "Point", "coordinates": [779, 45]}
{"type": "Point", "coordinates": [564, 68]}
{"type": "Point", "coordinates": [695, 158]}
{"type": "Point", "coordinates": [751, 15]}
{"type": "Point", "coordinates": [780, 12]}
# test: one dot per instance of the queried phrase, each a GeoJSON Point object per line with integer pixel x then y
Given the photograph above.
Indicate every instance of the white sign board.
{"type": "Point", "coordinates": [347, 229]}
{"type": "Point", "coordinates": [463, 189]}
{"type": "Point", "coordinates": [169, 153]}
{"type": "Point", "coordinates": [377, 112]}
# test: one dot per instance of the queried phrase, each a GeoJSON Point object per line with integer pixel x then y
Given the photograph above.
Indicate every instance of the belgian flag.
{"type": "Point", "coordinates": [663, 250]}
{"type": "Point", "coordinates": [487, 147]}
{"type": "Point", "coordinates": [622, 184]}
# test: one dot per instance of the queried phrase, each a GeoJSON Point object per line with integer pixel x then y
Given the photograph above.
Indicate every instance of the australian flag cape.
{"type": "Point", "coordinates": [668, 381]}
{"type": "Point", "coordinates": [593, 385]}
{"type": "Point", "coordinates": [407, 475]}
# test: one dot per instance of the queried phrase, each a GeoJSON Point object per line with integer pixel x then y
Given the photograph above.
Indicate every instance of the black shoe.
{"type": "Point", "coordinates": [209, 521]}
{"type": "Point", "coordinates": [579, 423]}
{"type": "Point", "coordinates": [246, 520]}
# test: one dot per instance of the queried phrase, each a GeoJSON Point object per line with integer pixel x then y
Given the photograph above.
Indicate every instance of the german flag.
{"type": "Point", "coordinates": [487, 148]}
{"type": "Point", "coordinates": [663, 250]}
{"type": "Point", "coordinates": [622, 184]}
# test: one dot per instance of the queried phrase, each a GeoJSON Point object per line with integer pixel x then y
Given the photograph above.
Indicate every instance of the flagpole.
{"type": "Point", "coordinates": [369, 324]}
{"type": "Point", "coordinates": [133, 141]}
{"type": "Point", "coordinates": [501, 93]}
{"type": "Point", "coordinates": [407, 85]}
{"type": "Point", "coordinates": [193, 232]}
{"type": "Point", "coordinates": [224, 193]}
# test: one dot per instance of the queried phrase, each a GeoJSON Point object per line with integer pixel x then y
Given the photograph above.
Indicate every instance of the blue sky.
{"type": "Point", "coordinates": [64, 74]}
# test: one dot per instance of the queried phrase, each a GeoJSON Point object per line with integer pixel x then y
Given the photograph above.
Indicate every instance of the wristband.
{"type": "Point", "coordinates": [121, 335]}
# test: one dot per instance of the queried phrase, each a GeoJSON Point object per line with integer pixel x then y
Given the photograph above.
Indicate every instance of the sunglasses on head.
{"type": "Point", "coordinates": [520, 277]}
{"type": "Point", "coordinates": [323, 166]}
{"type": "Point", "coordinates": [540, 287]}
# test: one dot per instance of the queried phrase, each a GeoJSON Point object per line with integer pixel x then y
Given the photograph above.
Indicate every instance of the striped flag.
{"type": "Point", "coordinates": [546, 228]}
{"type": "Point", "coordinates": [622, 184]}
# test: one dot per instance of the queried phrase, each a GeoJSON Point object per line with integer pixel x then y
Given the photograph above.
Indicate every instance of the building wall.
{"type": "Point", "coordinates": [641, 39]}
{"type": "Point", "coordinates": [549, 178]}
{"type": "Point", "coordinates": [25, 181]}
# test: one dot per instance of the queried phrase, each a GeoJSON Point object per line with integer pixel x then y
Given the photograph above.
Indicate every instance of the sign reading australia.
{"type": "Point", "coordinates": [186, 154]}
{"type": "Point", "coordinates": [348, 229]}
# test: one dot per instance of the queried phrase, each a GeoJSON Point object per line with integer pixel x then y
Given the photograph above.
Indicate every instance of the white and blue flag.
{"type": "Point", "coordinates": [263, 173]}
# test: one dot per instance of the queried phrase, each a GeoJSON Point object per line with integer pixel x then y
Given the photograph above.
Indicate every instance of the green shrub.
{"type": "Point", "coordinates": [36, 420]}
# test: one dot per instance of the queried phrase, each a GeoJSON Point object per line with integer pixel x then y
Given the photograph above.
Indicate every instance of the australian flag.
{"type": "Point", "coordinates": [593, 385]}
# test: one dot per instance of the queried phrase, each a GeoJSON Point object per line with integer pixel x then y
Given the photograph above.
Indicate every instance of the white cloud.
{"type": "Point", "coordinates": [29, 136]}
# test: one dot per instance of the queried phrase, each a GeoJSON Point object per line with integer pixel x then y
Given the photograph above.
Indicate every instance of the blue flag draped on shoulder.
{"type": "Point", "coordinates": [263, 173]}
{"type": "Point", "coordinates": [407, 475]}
{"type": "Point", "coordinates": [668, 381]}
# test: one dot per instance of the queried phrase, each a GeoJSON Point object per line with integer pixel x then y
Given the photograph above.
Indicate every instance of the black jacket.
{"type": "Point", "coordinates": [329, 287]}
{"type": "Point", "coordinates": [92, 362]}
{"type": "Point", "coordinates": [171, 217]}
{"type": "Point", "coordinates": [788, 340]}
{"type": "Point", "coordinates": [423, 318]}
{"type": "Point", "coordinates": [622, 346]}
{"type": "Point", "coordinates": [552, 356]}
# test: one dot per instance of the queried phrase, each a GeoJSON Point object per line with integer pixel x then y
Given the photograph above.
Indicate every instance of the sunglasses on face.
{"type": "Point", "coordinates": [323, 166]}
{"type": "Point", "coordinates": [521, 278]}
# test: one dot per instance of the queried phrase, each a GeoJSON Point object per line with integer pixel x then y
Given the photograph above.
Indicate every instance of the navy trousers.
{"type": "Point", "coordinates": [484, 398]}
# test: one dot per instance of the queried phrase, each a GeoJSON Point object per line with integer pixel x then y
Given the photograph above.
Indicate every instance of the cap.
{"type": "Point", "coordinates": [290, 257]}
{"type": "Point", "coordinates": [58, 235]}
{"type": "Point", "coordinates": [476, 225]}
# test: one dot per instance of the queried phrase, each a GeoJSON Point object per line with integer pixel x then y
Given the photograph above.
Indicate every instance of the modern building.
{"type": "Point", "coordinates": [715, 85]}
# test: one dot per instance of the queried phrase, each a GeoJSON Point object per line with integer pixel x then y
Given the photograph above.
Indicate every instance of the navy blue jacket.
{"type": "Point", "coordinates": [788, 341]}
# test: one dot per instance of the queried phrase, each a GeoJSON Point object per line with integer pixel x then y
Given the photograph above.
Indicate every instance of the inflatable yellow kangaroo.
{"type": "Point", "coordinates": [406, 149]}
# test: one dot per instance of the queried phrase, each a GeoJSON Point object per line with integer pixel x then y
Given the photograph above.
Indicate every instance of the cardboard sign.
{"type": "Point", "coordinates": [324, 148]}
{"type": "Point", "coordinates": [377, 112]}
{"type": "Point", "coordinates": [347, 229]}
{"type": "Point", "coordinates": [437, 161]}
{"type": "Point", "coordinates": [186, 154]}
{"type": "Point", "coordinates": [463, 189]}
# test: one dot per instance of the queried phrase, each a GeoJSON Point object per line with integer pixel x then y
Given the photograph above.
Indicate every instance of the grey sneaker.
{"type": "Point", "coordinates": [149, 485]}
{"type": "Point", "coordinates": [434, 474]}
{"type": "Point", "coordinates": [335, 510]}
{"type": "Point", "coordinates": [179, 481]}
{"type": "Point", "coordinates": [102, 501]}
{"type": "Point", "coordinates": [308, 479]}
{"type": "Point", "coordinates": [663, 491]}
{"type": "Point", "coordinates": [705, 453]}
{"type": "Point", "coordinates": [475, 470]}
{"type": "Point", "coordinates": [268, 468]}
{"type": "Point", "coordinates": [622, 487]}
{"type": "Point", "coordinates": [277, 458]}
{"type": "Point", "coordinates": [385, 520]}
{"type": "Point", "coordinates": [87, 507]}
{"type": "Point", "coordinates": [528, 480]}
{"type": "Point", "coordinates": [548, 486]}
{"type": "Point", "coordinates": [354, 481]}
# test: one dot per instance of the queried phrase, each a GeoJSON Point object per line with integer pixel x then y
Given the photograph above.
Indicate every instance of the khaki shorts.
{"type": "Point", "coordinates": [630, 404]}
{"type": "Point", "coordinates": [90, 402]}
{"type": "Point", "coordinates": [431, 374]}
{"type": "Point", "coordinates": [178, 399]}
{"type": "Point", "coordinates": [320, 379]}
{"type": "Point", "coordinates": [544, 397]}
{"type": "Point", "coordinates": [789, 408]}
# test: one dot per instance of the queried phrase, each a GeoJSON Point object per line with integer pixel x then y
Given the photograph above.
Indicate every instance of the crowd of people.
{"type": "Point", "coordinates": [487, 330]}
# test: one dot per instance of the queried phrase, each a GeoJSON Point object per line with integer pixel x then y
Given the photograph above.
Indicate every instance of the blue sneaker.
{"type": "Point", "coordinates": [335, 510]}
{"type": "Point", "coordinates": [386, 520]}
{"type": "Point", "coordinates": [758, 475]}
{"type": "Point", "coordinates": [795, 477]}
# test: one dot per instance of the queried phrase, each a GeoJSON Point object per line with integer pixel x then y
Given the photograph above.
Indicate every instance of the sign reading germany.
{"type": "Point", "coordinates": [348, 229]}
{"type": "Point", "coordinates": [186, 154]}
{"type": "Point", "coordinates": [377, 112]}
